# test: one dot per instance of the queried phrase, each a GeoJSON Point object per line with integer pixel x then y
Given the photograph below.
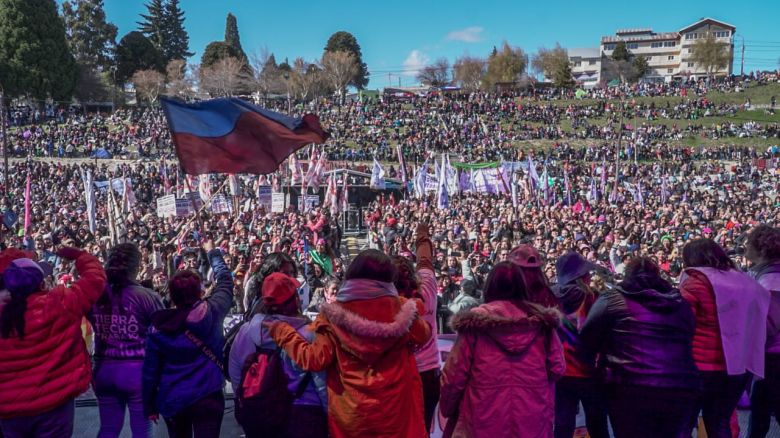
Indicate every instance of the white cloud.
{"type": "Point", "coordinates": [471, 34]}
{"type": "Point", "coordinates": [415, 62]}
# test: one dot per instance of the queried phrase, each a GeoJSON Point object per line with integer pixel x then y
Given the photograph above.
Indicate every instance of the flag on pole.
{"type": "Point", "coordinates": [603, 177]}
{"type": "Point", "coordinates": [377, 176]}
{"type": "Point", "coordinates": [89, 198]}
{"type": "Point", "coordinates": [27, 217]}
{"type": "Point", "coordinates": [402, 163]}
{"type": "Point", "coordinates": [295, 170]}
{"type": "Point", "coordinates": [664, 190]}
{"type": "Point", "coordinates": [344, 195]}
{"type": "Point", "coordinates": [164, 173]}
{"type": "Point", "coordinates": [421, 179]}
{"type": "Point", "coordinates": [235, 188]}
{"type": "Point", "coordinates": [230, 135]}
{"type": "Point", "coordinates": [594, 193]}
{"type": "Point", "coordinates": [204, 188]}
{"type": "Point", "coordinates": [442, 198]}
{"type": "Point", "coordinates": [639, 198]}
{"type": "Point", "coordinates": [514, 191]}
{"type": "Point", "coordinates": [566, 186]}
{"type": "Point", "coordinates": [545, 186]}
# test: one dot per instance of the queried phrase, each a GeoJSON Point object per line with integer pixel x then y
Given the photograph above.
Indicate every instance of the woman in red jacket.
{"type": "Point", "coordinates": [44, 363]}
{"type": "Point", "coordinates": [723, 300]}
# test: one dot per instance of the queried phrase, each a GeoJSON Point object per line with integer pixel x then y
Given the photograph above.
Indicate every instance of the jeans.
{"type": "Point", "coordinates": [117, 385]}
{"type": "Point", "coordinates": [431, 386]}
{"type": "Point", "coordinates": [202, 419]}
{"type": "Point", "coordinates": [765, 398]}
{"type": "Point", "coordinates": [569, 391]}
{"type": "Point", "coordinates": [649, 412]}
{"type": "Point", "coordinates": [56, 423]}
{"type": "Point", "coordinates": [717, 401]}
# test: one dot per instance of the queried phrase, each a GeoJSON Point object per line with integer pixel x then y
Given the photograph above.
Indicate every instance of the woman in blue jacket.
{"type": "Point", "coordinates": [280, 302]}
{"type": "Point", "coordinates": [182, 376]}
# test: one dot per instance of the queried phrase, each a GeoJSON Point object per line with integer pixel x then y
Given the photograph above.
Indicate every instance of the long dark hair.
{"type": "Point", "coordinates": [122, 266]}
{"type": "Point", "coordinates": [642, 273]}
{"type": "Point", "coordinates": [701, 253]}
{"type": "Point", "coordinates": [372, 264]}
{"type": "Point", "coordinates": [537, 288]}
{"type": "Point", "coordinates": [406, 281]}
{"type": "Point", "coordinates": [765, 242]}
{"type": "Point", "coordinates": [274, 262]}
{"type": "Point", "coordinates": [505, 282]}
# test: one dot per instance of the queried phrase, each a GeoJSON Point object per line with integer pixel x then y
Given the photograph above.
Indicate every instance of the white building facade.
{"type": "Point", "coordinates": [668, 53]}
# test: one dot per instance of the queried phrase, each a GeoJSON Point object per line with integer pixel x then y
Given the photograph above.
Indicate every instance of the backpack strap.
{"type": "Point", "coordinates": [303, 385]}
{"type": "Point", "coordinates": [205, 350]}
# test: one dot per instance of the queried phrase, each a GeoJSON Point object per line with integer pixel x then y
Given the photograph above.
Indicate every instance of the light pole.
{"type": "Point", "coordinates": [742, 60]}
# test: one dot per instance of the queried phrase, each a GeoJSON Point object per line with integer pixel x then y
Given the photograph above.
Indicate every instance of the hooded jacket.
{"type": "Point", "coordinates": [50, 365]}
{"type": "Point", "coordinates": [176, 373]}
{"type": "Point", "coordinates": [374, 389]}
{"type": "Point", "coordinates": [644, 337]}
{"type": "Point", "coordinates": [499, 377]}
{"type": "Point", "coordinates": [254, 334]}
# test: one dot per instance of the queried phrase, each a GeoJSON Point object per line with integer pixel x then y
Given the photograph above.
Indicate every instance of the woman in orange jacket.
{"type": "Point", "coordinates": [364, 341]}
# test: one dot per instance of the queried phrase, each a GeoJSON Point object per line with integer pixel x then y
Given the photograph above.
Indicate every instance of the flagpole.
{"type": "Point", "coordinates": [192, 200]}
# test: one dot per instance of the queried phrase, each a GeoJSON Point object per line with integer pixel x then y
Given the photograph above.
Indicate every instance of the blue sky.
{"type": "Point", "coordinates": [398, 36]}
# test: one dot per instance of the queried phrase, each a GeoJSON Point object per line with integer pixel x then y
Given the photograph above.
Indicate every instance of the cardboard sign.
{"type": "Point", "coordinates": [265, 198]}
{"type": "Point", "coordinates": [221, 204]}
{"type": "Point", "coordinates": [277, 203]}
{"type": "Point", "coordinates": [311, 202]}
{"type": "Point", "coordinates": [166, 206]}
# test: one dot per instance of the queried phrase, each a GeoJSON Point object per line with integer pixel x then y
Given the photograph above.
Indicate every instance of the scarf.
{"type": "Point", "coordinates": [364, 289]}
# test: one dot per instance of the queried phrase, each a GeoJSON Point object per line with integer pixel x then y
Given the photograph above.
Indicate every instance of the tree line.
{"type": "Point", "coordinates": [46, 53]}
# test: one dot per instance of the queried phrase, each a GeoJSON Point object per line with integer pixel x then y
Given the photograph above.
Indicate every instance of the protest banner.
{"type": "Point", "coordinates": [166, 206]}
{"type": "Point", "coordinates": [221, 204]}
{"type": "Point", "coordinates": [265, 197]}
{"type": "Point", "coordinates": [277, 202]}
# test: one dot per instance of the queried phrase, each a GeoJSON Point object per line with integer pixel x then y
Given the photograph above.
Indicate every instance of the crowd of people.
{"type": "Point", "coordinates": [602, 286]}
{"type": "Point", "coordinates": [476, 126]}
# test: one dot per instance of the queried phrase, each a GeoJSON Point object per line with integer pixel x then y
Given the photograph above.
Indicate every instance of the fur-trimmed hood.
{"type": "Point", "coordinates": [508, 325]}
{"type": "Point", "coordinates": [360, 328]}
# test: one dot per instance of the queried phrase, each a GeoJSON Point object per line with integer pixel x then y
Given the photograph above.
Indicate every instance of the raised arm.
{"type": "Point", "coordinates": [311, 357]}
{"type": "Point", "coordinates": [84, 293]}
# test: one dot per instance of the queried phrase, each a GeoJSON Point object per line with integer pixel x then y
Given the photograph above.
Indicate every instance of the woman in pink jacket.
{"type": "Point", "coordinates": [499, 378]}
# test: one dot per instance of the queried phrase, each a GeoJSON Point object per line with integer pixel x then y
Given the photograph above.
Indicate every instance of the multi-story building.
{"type": "Point", "coordinates": [586, 65]}
{"type": "Point", "coordinates": [668, 53]}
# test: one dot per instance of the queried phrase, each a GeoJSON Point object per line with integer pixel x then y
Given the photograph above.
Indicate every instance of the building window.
{"type": "Point", "coordinates": [578, 63]}
{"type": "Point", "coordinates": [592, 62]}
{"type": "Point", "coordinates": [690, 65]}
{"type": "Point", "coordinates": [610, 46]}
{"type": "Point", "coordinates": [649, 58]}
{"type": "Point", "coordinates": [632, 45]}
{"type": "Point", "coordinates": [669, 70]}
{"type": "Point", "coordinates": [688, 50]}
{"type": "Point", "coordinates": [656, 44]}
{"type": "Point", "coordinates": [722, 34]}
{"type": "Point", "coordinates": [670, 58]}
{"type": "Point", "coordinates": [670, 43]}
{"type": "Point", "coordinates": [692, 36]}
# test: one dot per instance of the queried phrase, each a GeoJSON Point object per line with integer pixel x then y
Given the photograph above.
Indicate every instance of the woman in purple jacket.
{"type": "Point", "coordinates": [120, 320]}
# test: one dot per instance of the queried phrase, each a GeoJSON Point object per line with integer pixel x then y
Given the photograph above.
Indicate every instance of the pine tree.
{"type": "Point", "coordinates": [346, 42]}
{"type": "Point", "coordinates": [177, 45]}
{"type": "Point", "coordinates": [133, 53]}
{"type": "Point", "coordinates": [90, 37]}
{"type": "Point", "coordinates": [153, 24]}
{"type": "Point", "coordinates": [231, 36]}
{"type": "Point", "coordinates": [164, 26]}
{"type": "Point", "coordinates": [34, 55]}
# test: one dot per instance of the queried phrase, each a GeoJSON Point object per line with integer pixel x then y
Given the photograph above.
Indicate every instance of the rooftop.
{"type": "Point", "coordinates": [584, 52]}
{"type": "Point", "coordinates": [642, 37]}
{"type": "Point", "coordinates": [634, 31]}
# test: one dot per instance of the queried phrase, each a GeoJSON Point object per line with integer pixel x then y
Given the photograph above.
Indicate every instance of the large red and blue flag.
{"type": "Point", "coordinates": [230, 135]}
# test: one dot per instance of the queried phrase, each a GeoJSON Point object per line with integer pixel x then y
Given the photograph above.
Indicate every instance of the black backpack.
{"type": "Point", "coordinates": [263, 401]}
